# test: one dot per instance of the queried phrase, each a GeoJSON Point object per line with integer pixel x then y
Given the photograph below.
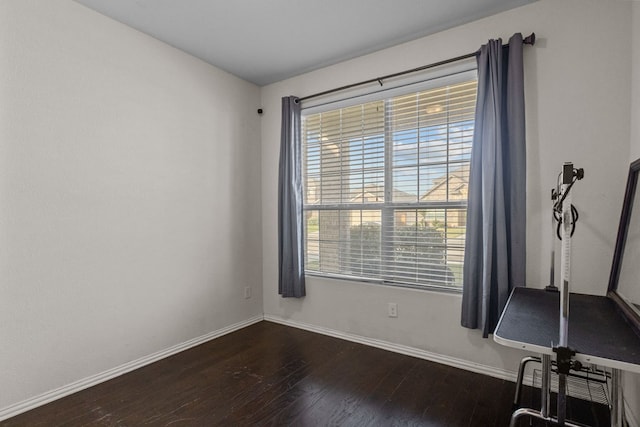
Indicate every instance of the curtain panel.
{"type": "Point", "coordinates": [495, 242]}
{"type": "Point", "coordinates": [290, 198]}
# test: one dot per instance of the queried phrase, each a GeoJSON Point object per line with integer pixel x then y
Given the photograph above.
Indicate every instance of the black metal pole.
{"type": "Point", "coordinates": [530, 39]}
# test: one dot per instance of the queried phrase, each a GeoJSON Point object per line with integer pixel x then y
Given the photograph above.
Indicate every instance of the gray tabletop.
{"type": "Point", "coordinates": [597, 330]}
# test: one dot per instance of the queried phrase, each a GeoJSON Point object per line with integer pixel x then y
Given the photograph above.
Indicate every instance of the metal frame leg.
{"type": "Point", "coordinates": [521, 369]}
{"type": "Point", "coordinates": [526, 412]}
{"type": "Point", "coordinates": [562, 399]}
{"type": "Point", "coordinates": [617, 405]}
{"type": "Point", "coordinates": [545, 390]}
{"type": "Point", "coordinates": [543, 414]}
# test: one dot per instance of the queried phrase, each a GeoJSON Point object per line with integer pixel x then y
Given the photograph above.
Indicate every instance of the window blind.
{"type": "Point", "coordinates": [386, 184]}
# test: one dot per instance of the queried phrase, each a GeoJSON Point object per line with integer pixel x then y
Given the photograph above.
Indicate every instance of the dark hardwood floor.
{"type": "Point", "coordinates": [269, 374]}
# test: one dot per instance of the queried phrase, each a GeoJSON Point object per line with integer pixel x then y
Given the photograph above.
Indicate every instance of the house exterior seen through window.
{"type": "Point", "coordinates": [386, 187]}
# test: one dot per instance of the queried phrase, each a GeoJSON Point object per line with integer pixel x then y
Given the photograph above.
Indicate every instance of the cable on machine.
{"type": "Point", "coordinates": [559, 197]}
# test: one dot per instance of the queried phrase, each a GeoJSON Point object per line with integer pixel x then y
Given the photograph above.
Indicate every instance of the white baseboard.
{"type": "Point", "coordinates": [403, 349]}
{"type": "Point", "coordinates": [84, 383]}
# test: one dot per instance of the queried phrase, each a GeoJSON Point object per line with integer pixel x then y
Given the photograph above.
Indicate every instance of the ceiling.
{"type": "Point", "coordinates": [264, 41]}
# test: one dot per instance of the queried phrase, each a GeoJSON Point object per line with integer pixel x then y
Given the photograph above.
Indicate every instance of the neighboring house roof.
{"type": "Point", "coordinates": [375, 192]}
{"type": "Point", "coordinates": [458, 183]}
{"type": "Point", "coordinates": [457, 180]}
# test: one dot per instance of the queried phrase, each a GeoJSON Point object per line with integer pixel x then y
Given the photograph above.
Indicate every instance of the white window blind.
{"type": "Point", "coordinates": [386, 186]}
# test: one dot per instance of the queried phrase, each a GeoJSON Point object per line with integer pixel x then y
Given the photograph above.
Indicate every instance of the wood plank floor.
{"type": "Point", "coordinates": [269, 374]}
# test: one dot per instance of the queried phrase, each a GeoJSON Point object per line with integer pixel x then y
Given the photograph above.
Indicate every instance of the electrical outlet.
{"type": "Point", "coordinates": [247, 292]}
{"type": "Point", "coordinates": [392, 309]}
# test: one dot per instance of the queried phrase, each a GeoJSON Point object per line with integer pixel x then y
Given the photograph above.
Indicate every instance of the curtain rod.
{"type": "Point", "coordinates": [530, 39]}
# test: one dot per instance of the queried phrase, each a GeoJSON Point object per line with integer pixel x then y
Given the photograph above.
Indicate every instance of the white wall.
{"type": "Point", "coordinates": [129, 196]}
{"type": "Point", "coordinates": [632, 381]}
{"type": "Point", "coordinates": [577, 110]}
{"type": "Point", "coordinates": [635, 83]}
{"type": "Point", "coordinates": [128, 193]}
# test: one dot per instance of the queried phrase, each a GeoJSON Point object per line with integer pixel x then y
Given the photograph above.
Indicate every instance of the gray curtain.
{"type": "Point", "coordinates": [290, 198]}
{"type": "Point", "coordinates": [495, 242]}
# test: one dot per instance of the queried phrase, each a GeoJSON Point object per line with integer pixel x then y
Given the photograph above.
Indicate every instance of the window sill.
{"type": "Point", "coordinates": [430, 288]}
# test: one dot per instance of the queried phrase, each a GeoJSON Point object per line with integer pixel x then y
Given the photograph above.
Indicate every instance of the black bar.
{"type": "Point", "coordinates": [530, 39]}
{"type": "Point", "coordinates": [567, 173]}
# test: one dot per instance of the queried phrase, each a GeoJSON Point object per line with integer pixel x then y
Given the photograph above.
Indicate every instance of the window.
{"type": "Point", "coordinates": [386, 185]}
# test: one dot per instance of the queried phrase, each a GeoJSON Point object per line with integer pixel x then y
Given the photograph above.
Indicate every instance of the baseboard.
{"type": "Point", "coordinates": [402, 349]}
{"type": "Point", "coordinates": [84, 383]}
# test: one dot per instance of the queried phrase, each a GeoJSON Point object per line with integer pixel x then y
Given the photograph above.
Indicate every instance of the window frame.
{"type": "Point", "coordinates": [389, 207]}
